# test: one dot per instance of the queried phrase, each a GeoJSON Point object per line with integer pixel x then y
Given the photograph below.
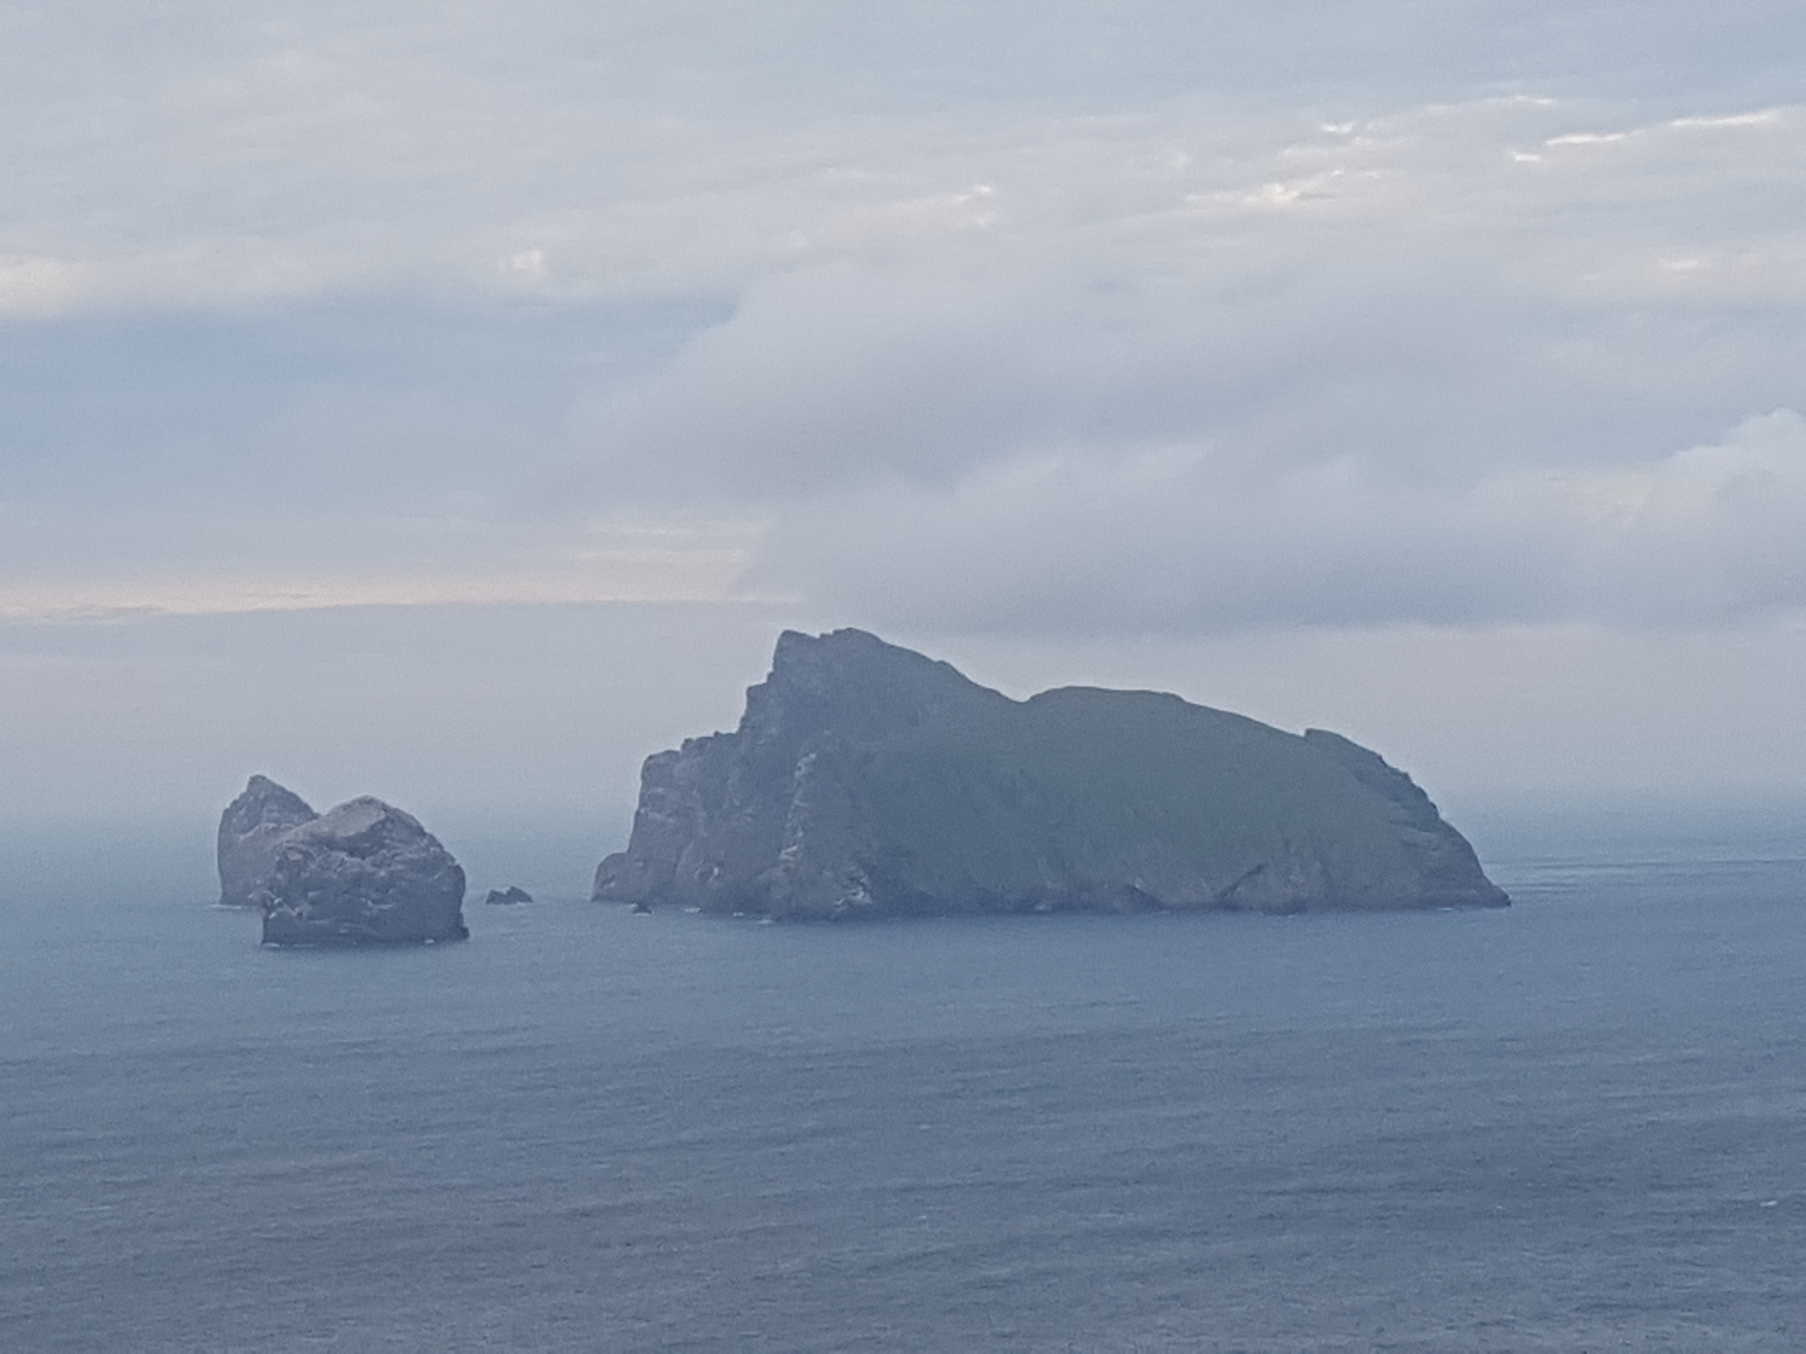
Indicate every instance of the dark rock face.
{"type": "Point", "coordinates": [364, 873]}
{"type": "Point", "coordinates": [867, 779]}
{"type": "Point", "coordinates": [249, 831]}
{"type": "Point", "coordinates": [511, 894]}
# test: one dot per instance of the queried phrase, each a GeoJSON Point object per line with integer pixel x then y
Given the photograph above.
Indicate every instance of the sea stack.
{"type": "Point", "coordinates": [249, 830]}
{"type": "Point", "coordinates": [503, 897]}
{"type": "Point", "coordinates": [865, 779]}
{"type": "Point", "coordinates": [363, 873]}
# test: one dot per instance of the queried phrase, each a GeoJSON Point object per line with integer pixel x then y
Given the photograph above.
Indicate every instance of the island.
{"type": "Point", "coordinates": [364, 872]}
{"type": "Point", "coordinates": [865, 779]}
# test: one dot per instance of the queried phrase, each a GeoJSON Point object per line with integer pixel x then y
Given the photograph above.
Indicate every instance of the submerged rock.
{"type": "Point", "coordinates": [867, 779]}
{"type": "Point", "coordinates": [363, 873]}
{"type": "Point", "coordinates": [511, 894]}
{"type": "Point", "coordinates": [249, 831]}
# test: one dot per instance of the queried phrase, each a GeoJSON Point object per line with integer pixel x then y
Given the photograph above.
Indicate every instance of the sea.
{"type": "Point", "coordinates": [1578, 1124]}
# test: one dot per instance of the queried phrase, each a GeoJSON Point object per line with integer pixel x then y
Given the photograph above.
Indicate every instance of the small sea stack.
{"type": "Point", "coordinates": [249, 831]}
{"type": "Point", "coordinates": [362, 873]}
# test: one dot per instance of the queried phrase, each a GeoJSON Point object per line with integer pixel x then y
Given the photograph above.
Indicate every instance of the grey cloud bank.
{"type": "Point", "coordinates": [1707, 536]}
{"type": "Point", "coordinates": [1430, 341]}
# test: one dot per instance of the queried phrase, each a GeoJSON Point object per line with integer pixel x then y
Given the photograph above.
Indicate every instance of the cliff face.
{"type": "Point", "coordinates": [864, 778]}
{"type": "Point", "coordinates": [249, 830]}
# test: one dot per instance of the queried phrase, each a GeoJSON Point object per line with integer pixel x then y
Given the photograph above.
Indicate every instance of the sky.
{"type": "Point", "coordinates": [452, 401]}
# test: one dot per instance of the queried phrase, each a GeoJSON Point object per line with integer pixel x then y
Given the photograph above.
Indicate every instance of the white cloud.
{"type": "Point", "coordinates": [527, 263]}
{"type": "Point", "coordinates": [1765, 117]}
{"type": "Point", "coordinates": [1587, 139]}
{"type": "Point", "coordinates": [36, 285]}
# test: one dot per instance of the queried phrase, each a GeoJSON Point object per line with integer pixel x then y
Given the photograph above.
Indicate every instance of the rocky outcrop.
{"type": "Point", "coordinates": [363, 873]}
{"type": "Point", "coordinates": [249, 830]}
{"type": "Point", "coordinates": [511, 894]}
{"type": "Point", "coordinates": [867, 779]}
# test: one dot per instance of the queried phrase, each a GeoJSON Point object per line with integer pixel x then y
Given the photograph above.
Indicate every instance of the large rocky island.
{"type": "Point", "coordinates": [868, 779]}
{"type": "Point", "coordinates": [362, 873]}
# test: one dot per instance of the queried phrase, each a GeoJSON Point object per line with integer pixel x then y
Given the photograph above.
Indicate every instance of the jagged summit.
{"type": "Point", "coordinates": [864, 777]}
{"type": "Point", "coordinates": [855, 682]}
{"type": "Point", "coordinates": [248, 832]}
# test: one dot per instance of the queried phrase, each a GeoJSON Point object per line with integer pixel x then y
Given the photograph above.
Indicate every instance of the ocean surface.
{"type": "Point", "coordinates": [1579, 1124]}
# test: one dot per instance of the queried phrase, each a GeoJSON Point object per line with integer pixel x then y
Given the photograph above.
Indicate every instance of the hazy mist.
{"type": "Point", "coordinates": [453, 406]}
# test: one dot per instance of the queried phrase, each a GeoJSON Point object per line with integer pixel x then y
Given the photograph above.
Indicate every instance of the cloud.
{"type": "Point", "coordinates": [194, 155]}
{"type": "Point", "coordinates": [1175, 541]}
{"type": "Point", "coordinates": [35, 285]}
{"type": "Point", "coordinates": [280, 281]}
